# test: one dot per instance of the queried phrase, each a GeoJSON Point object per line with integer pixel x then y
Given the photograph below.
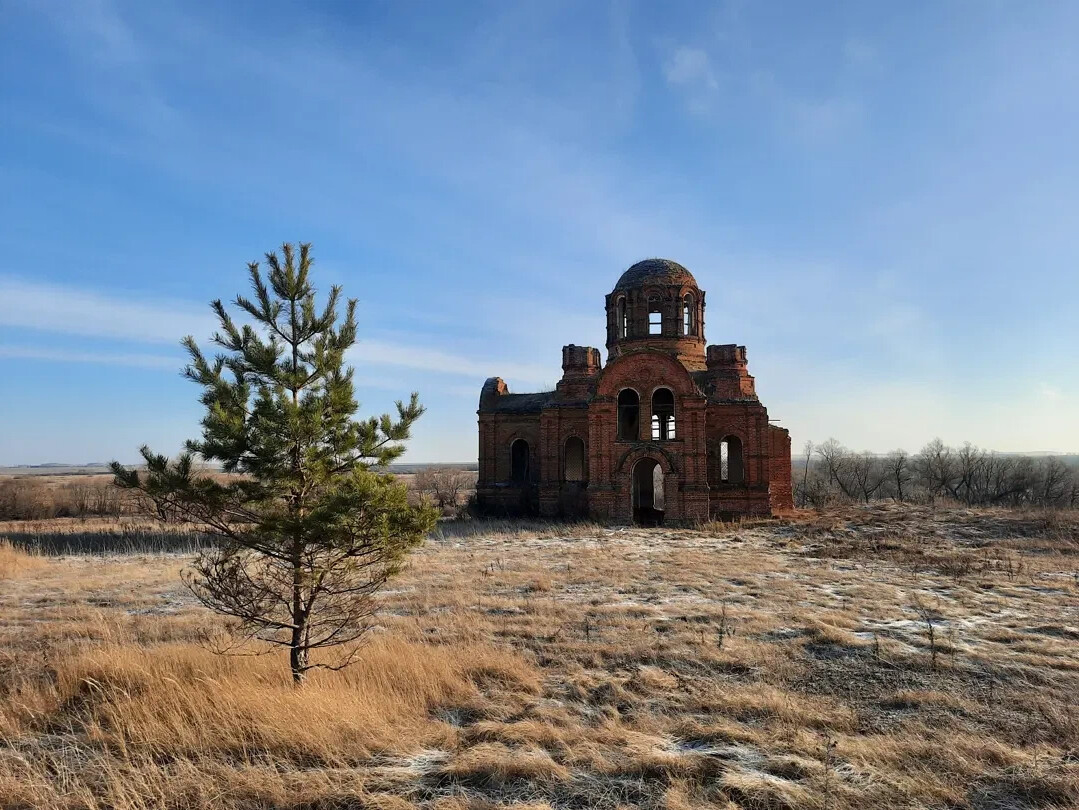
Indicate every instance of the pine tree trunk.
{"type": "Point", "coordinates": [297, 649]}
{"type": "Point", "coordinates": [298, 658]}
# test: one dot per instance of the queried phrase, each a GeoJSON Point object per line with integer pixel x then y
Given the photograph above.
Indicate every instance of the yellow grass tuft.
{"type": "Point", "coordinates": [185, 700]}
{"type": "Point", "coordinates": [15, 561]}
{"type": "Point", "coordinates": [495, 764]}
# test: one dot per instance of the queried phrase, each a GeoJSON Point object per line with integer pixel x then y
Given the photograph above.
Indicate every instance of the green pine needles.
{"type": "Point", "coordinates": [308, 528]}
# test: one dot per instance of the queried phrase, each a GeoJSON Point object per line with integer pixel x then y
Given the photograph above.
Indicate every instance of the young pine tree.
{"type": "Point", "coordinates": [307, 528]}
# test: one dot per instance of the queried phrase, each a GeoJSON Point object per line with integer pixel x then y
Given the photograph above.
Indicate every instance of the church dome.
{"type": "Point", "coordinates": [662, 272]}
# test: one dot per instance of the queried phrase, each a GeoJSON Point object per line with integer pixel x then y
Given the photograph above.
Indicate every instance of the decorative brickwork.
{"type": "Point", "coordinates": [713, 455]}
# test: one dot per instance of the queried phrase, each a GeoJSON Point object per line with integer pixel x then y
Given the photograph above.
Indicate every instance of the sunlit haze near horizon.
{"type": "Point", "coordinates": [880, 201]}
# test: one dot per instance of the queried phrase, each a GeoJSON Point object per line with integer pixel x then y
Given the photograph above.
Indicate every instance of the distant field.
{"type": "Point", "coordinates": [55, 492]}
{"type": "Point", "coordinates": [102, 469]}
{"type": "Point", "coordinates": [888, 656]}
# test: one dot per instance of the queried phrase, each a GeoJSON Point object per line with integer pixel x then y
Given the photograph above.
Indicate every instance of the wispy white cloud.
{"type": "Point", "coordinates": [816, 119]}
{"type": "Point", "coordinates": [453, 163]}
{"type": "Point", "coordinates": [73, 311]}
{"type": "Point", "coordinates": [690, 66]}
{"type": "Point", "coordinates": [65, 310]}
{"type": "Point", "coordinates": [689, 70]}
{"type": "Point", "coordinates": [496, 146]}
{"type": "Point", "coordinates": [423, 358]}
{"type": "Point", "coordinates": [152, 361]}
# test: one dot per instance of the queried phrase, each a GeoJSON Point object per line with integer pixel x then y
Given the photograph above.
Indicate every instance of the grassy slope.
{"type": "Point", "coordinates": [780, 664]}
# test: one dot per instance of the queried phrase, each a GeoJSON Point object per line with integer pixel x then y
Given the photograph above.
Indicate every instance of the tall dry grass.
{"type": "Point", "coordinates": [15, 561]}
{"type": "Point", "coordinates": [777, 664]}
{"type": "Point", "coordinates": [92, 714]}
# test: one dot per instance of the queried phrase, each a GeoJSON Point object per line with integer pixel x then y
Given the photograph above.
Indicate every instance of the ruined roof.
{"type": "Point", "coordinates": [521, 403]}
{"type": "Point", "coordinates": [655, 271]}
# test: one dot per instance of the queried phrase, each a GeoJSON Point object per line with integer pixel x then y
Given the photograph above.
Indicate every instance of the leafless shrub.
{"type": "Point", "coordinates": [444, 486]}
{"type": "Point", "coordinates": [39, 498]}
{"type": "Point", "coordinates": [929, 619]}
{"type": "Point", "coordinates": [24, 499]}
{"type": "Point", "coordinates": [900, 474]}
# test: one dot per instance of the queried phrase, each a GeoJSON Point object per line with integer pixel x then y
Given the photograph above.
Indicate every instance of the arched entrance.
{"type": "Point", "coordinates": [648, 502]}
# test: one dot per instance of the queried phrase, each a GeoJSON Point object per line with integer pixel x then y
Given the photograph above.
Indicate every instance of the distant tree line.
{"type": "Point", "coordinates": [29, 498]}
{"type": "Point", "coordinates": [831, 473]}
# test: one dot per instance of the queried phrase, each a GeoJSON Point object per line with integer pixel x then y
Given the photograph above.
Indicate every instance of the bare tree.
{"type": "Point", "coordinates": [837, 466]}
{"type": "Point", "coordinates": [897, 464]}
{"type": "Point", "coordinates": [936, 469]}
{"type": "Point", "coordinates": [1054, 482]}
{"type": "Point", "coordinates": [444, 485]}
{"type": "Point", "coordinates": [808, 450]}
{"type": "Point", "coordinates": [867, 474]}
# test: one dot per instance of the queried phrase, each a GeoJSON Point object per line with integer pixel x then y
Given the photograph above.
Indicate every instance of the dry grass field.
{"type": "Point", "coordinates": [885, 657]}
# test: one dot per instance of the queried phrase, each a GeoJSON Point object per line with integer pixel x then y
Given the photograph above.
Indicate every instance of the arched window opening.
{"type": "Point", "coordinates": [731, 466]}
{"type": "Point", "coordinates": [629, 415]}
{"type": "Point", "coordinates": [655, 316]}
{"type": "Point", "coordinates": [574, 459]}
{"type": "Point", "coordinates": [662, 415]}
{"type": "Point", "coordinates": [648, 498]}
{"type": "Point", "coordinates": [689, 316]}
{"type": "Point", "coordinates": [621, 322]}
{"type": "Point", "coordinates": [519, 461]}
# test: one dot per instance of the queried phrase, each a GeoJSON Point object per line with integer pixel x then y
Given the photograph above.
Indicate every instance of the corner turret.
{"type": "Point", "coordinates": [728, 372]}
{"type": "Point", "coordinates": [580, 367]}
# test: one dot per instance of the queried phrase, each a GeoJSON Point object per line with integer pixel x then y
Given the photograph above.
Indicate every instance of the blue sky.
{"type": "Point", "coordinates": [880, 200]}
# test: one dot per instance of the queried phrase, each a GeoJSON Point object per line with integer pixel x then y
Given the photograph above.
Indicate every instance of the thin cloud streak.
{"type": "Point", "coordinates": [73, 311]}
{"type": "Point", "coordinates": [66, 310]}
{"type": "Point", "coordinates": [152, 361]}
{"type": "Point", "coordinates": [422, 358]}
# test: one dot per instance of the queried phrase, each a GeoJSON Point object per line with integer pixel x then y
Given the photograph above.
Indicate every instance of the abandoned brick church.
{"type": "Point", "coordinates": [667, 431]}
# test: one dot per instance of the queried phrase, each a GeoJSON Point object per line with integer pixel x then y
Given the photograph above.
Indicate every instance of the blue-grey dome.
{"type": "Point", "coordinates": [662, 272]}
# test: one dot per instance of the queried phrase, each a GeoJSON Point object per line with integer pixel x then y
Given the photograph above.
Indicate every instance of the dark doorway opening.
{"type": "Point", "coordinates": [648, 500]}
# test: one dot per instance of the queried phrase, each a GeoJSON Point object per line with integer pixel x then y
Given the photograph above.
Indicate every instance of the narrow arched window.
{"type": "Point", "coordinates": [662, 415]}
{"type": "Point", "coordinates": [519, 461]}
{"type": "Point", "coordinates": [574, 460]}
{"type": "Point", "coordinates": [655, 316]}
{"type": "Point", "coordinates": [731, 463]}
{"type": "Point", "coordinates": [689, 316]}
{"type": "Point", "coordinates": [620, 317]}
{"type": "Point", "coordinates": [629, 415]}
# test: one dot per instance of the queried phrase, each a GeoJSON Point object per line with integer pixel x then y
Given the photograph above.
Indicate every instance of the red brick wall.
{"type": "Point", "coordinates": [779, 474]}
{"type": "Point", "coordinates": [558, 498]}
{"type": "Point", "coordinates": [689, 349]}
{"type": "Point", "coordinates": [749, 422]}
{"type": "Point", "coordinates": [494, 487]}
{"type": "Point", "coordinates": [611, 460]}
{"type": "Point", "coordinates": [584, 406]}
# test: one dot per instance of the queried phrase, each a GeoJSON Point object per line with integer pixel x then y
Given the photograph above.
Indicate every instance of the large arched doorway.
{"type": "Point", "coordinates": [648, 501]}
